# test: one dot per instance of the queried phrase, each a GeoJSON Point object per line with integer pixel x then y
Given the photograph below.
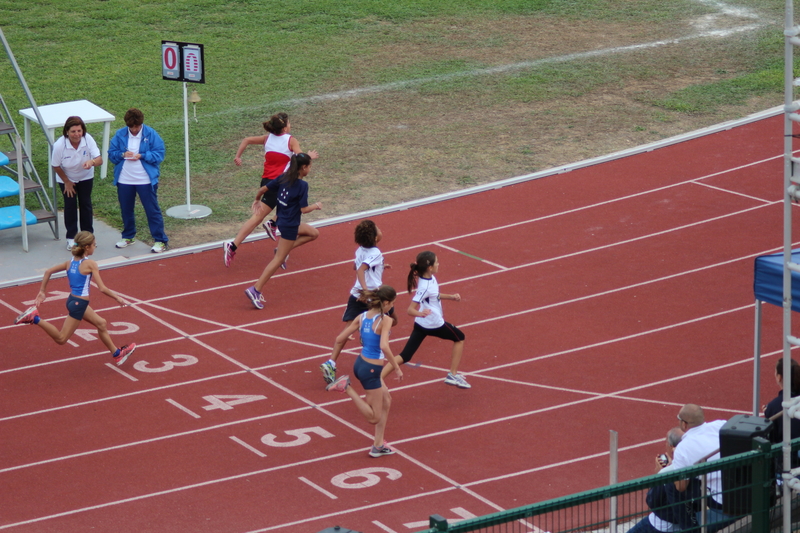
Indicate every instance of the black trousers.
{"type": "Point", "coordinates": [78, 207]}
{"type": "Point", "coordinates": [446, 331]}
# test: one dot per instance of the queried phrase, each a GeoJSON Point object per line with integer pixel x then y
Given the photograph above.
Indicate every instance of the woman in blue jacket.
{"type": "Point", "coordinates": [137, 152]}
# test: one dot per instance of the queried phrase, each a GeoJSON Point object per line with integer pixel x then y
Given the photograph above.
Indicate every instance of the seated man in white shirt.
{"type": "Point", "coordinates": [701, 441]}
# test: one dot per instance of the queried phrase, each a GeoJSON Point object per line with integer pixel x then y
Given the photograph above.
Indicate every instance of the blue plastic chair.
{"type": "Point", "coordinates": [8, 187]}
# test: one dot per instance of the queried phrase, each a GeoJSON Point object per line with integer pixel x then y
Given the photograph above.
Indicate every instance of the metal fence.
{"type": "Point", "coordinates": [751, 502]}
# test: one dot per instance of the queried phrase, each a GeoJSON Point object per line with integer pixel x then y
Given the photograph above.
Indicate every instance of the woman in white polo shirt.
{"type": "Point", "coordinates": [75, 154]}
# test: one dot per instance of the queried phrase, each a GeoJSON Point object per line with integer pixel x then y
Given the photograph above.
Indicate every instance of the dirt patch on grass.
{"type": "Point", "coordinates": [398, 145]}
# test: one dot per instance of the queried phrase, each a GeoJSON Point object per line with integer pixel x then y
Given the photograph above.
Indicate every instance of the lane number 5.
{"type": "Point", "coordinates": [301, 436]}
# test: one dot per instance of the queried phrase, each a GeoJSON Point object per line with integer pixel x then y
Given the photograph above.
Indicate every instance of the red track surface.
{"type": "Point", "coordinates": [600, 299]}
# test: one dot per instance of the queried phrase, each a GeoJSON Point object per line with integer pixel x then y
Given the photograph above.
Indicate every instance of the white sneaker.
{"type": "Point", "coordinates": [385, 449]}
{"type": "Point", "coordinates": [458, 380]}
{"type": "Point", "coordinates": [159, 247]}
{"type": "Point", "coordinates": [124, 243]}
{"type": "Point", "coordinates": [70, 244]}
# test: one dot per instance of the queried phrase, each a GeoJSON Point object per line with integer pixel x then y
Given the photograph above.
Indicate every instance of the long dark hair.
{"type": "Point", "coordinates": [425, 260]}
{"type": "Point", "coordinates": [298, 161]}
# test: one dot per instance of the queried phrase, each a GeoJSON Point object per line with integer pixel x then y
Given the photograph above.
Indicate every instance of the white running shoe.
{"type": "Point", "coordinates": [458, 380]}
{"type": "Point", "coordinates": [380, 452]}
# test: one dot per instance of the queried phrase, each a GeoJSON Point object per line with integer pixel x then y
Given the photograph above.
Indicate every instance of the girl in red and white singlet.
{"type": "Point", "coordinates": [279, 145]}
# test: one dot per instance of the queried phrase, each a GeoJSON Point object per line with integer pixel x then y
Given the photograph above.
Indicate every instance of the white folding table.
{"type": "Point", "coordinates": [55, 115]}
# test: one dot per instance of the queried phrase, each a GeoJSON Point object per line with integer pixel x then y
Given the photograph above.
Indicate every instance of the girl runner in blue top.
{"type": "Point", "coordinates": [80, 272]}
{"type": "Point", "coordinates": [374, 326]}
{"type": "Point", "coordinates": [292, 203]}
{"type": "Point", "coordinates": [426, 307]}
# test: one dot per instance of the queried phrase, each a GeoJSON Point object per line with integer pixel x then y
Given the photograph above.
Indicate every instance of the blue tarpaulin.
{"type": "Point", "coordinates": [768, 284]}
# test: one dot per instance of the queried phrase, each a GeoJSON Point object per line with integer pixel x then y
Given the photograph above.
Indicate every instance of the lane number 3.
{"type": "Point", "coordinates": [182, 360]}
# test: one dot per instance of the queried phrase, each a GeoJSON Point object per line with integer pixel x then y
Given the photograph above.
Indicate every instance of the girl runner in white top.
{"type": "Point", "coordinates": [426, 307]}
{"type": "Point", "coordinates": [80, 272]}
{"type": "Point", "coordinates": [369, 267]}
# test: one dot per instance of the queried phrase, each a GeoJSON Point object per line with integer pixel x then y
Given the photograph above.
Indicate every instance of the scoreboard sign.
{"type": "Point", "coordinates": [182, 62]}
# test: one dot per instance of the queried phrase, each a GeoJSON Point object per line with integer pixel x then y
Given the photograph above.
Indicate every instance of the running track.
{"type": "Point", "coordinates": [595, 300]}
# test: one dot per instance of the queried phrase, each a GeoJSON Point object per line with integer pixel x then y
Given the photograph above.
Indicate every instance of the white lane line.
{"type": "Point", "coordinates": [385, 527]}
{"type": "Point", "coordinates": [124, 395]}
{"type": "Point", "coordinates": [464, 487]}
{"type": "Point", "coordinates": [156, 439]}
{"type": "Point", "coordinates": [492, 319]}
{"type": "Point", "coordinates": [706, 185]}
{"type": "Point", "coordinates": [224, 328]}
{"type": "Point", "coordinates": [115, 368]}
{"type": "Point", "coordinates": [594, 397]}
{"type": "Point", "coordinates": [598, 396]}
{"type": "Point", "coordinates": [482, 260]}
{"type": "Point", "coordinates": [252, 449]}
{"type": "Point", "coordinates": [181, 489]}
{"type": "Point", "coordinates": [692, 181]}
{"type": "Point", "coordinates": [615, 340]}
{"type": "Point", "coordinates": [182, 408]}
{"type": "Point", "coordinates": [317, 487]}
{"type": "Point", "coordinates": [11, 307]}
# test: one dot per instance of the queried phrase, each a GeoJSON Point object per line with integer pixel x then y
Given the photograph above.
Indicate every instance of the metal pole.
{"type": "Point", "coordinates": [21, 179]}
{"type": "Point", "coordinates": [613, 478]}
{"type": "Point", "coordinates": [788, 75]}
{"type": "Point", "coordinates": [38, 117]}
{"type": "Point", "coordinates": [187, 211]}
{"type": "Point", "coordinates": [757, 360]}
{"type": "Point", "coordinates": [25, 88]}
{"type": "Point", "coordinates": [186, 147]}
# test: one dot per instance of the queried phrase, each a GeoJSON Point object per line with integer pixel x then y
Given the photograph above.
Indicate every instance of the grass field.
{"type": "Point", "coordinates": [402, 99]}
